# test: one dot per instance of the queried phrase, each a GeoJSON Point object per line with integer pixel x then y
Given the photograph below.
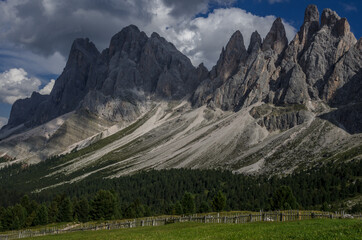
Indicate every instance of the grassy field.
{"type": "Point", "coordinates": [308, 229]}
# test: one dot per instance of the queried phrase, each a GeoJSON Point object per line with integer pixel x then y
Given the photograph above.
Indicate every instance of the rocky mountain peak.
{"type": "Point", "coordinates": [235, 46]}
{"type": "Point", "coordinates": [155, 35]}
{"type": "Point", "coordinates": [276, 39]}
{"type": "Point", "coordinates": [311, 14]}
{"type": "Point", "coordinates": [230, 57]}
{"type": "Point", "coordinates": [84, 45]}
{"type": "Point", "coordinates": [82, 50]}
{"type": "Point", "coordinates": [136, 68]}
{"type": "Point", "coordinates": [255, 42]}
{"type": "Point", "coordinates": [329, 17]}
{"type": "Point", "coordinates": [339, 26]}
{"type": "Point", "coordinates": [129, 41]}
{"type": "Point", "coordinates": [309, 27]}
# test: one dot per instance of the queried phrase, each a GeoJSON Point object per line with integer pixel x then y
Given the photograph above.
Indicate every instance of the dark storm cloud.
{"type": "Point", "coordinates": [47, 26]}
{"type": "Point", "coordinates": [186, 7]}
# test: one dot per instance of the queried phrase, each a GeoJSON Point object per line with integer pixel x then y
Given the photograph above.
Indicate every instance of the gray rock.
{"type": "Point", "coordinates": [230, 57]}
{"type": "Point", "coordinates": [276, 39]}
{"type": "Point", "coordinates": [322, 63]}
{"type": "Point", "coordinates": [311, 14]}
{"type": "Point", "coordinates": [280, 118]}
{"type": "Point", "coordinates": [68, 91]}
{"type": "Point", "coordinates": [23, 109]}
{"type": "Point", "coordinates": [329, 17]}
{"type": "Point", "coordinates": [255, 43]}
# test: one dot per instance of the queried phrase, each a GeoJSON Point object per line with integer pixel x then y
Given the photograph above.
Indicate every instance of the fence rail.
{"type": "Point", "coordinates": [236, 218]}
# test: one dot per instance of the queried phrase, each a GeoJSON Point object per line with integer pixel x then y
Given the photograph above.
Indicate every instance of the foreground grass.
{"type": "Point", "coordinates": [308, 229]}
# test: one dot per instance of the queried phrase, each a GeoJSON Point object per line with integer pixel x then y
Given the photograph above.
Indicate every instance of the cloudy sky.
{"type": "Point", "coordinates": [36, 35]}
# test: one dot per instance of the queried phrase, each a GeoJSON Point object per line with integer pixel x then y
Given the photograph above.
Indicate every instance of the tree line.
{"type": "Point", "coordinates": [184, 191]}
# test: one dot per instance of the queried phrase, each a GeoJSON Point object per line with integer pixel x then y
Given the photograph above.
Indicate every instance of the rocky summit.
{"type": "Point", "coordinates": [268, 108]}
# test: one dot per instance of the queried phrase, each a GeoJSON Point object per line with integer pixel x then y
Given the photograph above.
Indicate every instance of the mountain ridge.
{"type": "Point", "coordinates": [253, 112]}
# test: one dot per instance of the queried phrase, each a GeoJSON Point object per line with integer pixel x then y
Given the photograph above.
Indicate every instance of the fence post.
{"type": "Point", "coordinates": [205, 219]}
{"type": "Point", "coordinates": [218, 217]}
{"type": "Point", "coordinates": [281, 217]}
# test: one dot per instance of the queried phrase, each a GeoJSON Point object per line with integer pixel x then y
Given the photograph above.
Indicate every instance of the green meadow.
{"type": "Point", "coordinates": [307, 229]}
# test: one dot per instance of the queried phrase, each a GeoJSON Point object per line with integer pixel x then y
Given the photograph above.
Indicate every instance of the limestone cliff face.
{"type": "Point", "coordinates": [276, 38]}
{"type": "Point", "coordinates": [321, 59]}
{"type": "Point", "coordinates": [277, 97]}
{"type": "Point", "coordinates": [116, 84]}
{"type": "Point", "coordinates": [250, 82]}
{"type": "Point", "coordinates": [24, 108]}
{"type": "Point", "coordinates": [134, 69]}
{"type": "Point", "coordinates": [322, 63]}
{"type": "Point", "coordinates": [68, 91]}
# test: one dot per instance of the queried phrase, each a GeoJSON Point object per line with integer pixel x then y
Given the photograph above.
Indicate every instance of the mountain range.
{"type": "Point", "coordinates": [269, 108]}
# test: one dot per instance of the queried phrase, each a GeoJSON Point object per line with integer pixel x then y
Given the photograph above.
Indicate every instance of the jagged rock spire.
{"type": "Point", "coordinates": [130, 40]}
{"type": "Point", "coordinates": [311, 14]}
{"type": "Point", "coordinates": [82, 47]}
{"type": "Point", "coordinates": [329, 17]}
{"type": "Point", "coordinates": [340, 26]}
{"type": "Point", "coordinates": [230, 56]}
{"type": "Point", "coordinates": [276, 38]}
{"type": "Point", "coordinates": [310, 25]}
{"type": "Point", "coordinates": [255, 42]}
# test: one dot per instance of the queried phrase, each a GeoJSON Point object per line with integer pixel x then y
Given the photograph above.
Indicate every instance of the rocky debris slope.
{"type": "Point", "coordinates": [267, 108]}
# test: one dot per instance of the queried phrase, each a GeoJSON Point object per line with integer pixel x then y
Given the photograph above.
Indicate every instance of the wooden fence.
{"type": "Point", "coordinates": [235, 218]}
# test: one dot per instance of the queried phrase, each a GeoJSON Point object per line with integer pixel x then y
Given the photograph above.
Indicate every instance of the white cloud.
{"type": "Point", "coordinates": [202, 38]}
{"type": "Point", "coordinates": [48, 27]}
{"type": "Point", "coordinates": [277, 1]}
{"type": "Point", "coordinates": [3, 121]}
{"type": "Point", "coordinates": [15, 84]}
{"type": "Point", "coordinates": [47, 88]}
{"type": "Point", "coordinates": [350, 7]}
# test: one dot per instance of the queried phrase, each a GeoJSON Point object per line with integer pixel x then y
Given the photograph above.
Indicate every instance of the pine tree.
{"type": "Point", "coordinates": [104, 205]}
{"type": "Point", "coordinates": [41, 215]}
{"type": "Point", "coordinates": [25, 202]}
{"type": "Point", "coordinates": [53, 212]}
{"type": "Point", "coordinates": [283, 199]}
{"type": "Point", "coordinates": [177, 208]}
{"type": "Point", "coordinates": [7, 218]}
{"type": "Point", "coordinates": [81, 210]}
{"type": "Point", "coordinates": [188, 203]}
{"type": "Point", "coordinates": [65, 210]}
{"type": "Point", "coordinates": [204, 207]}
{"type": "Point", "coordinates": [19, 213]}
{"type": "Point", "coordinates": [219, 202]}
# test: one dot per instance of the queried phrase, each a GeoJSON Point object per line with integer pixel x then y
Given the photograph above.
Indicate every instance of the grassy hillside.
{"type": "Point", "coordinates": [310, 229]}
